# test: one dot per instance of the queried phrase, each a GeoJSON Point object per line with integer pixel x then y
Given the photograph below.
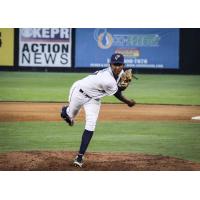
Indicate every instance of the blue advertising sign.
{"type": "Point", "coordinates": [142, 48]}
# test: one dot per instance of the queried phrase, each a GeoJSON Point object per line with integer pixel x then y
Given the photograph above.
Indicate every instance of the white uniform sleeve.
{"type": "Point", "coordinates": [110, 89]}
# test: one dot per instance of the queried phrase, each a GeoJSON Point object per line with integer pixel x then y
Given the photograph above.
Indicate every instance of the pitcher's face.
{"type": "Point", "coordinates": [117, 68]}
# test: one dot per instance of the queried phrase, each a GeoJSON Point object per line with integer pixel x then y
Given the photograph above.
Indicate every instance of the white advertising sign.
{"type": "Point", "coordinates": [45, 47]}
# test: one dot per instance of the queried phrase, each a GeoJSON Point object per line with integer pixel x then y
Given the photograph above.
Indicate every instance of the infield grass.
{"type": "Point", "coordinates": [54, 87]}
{"type": "Point", "coordinates": [177, 139]}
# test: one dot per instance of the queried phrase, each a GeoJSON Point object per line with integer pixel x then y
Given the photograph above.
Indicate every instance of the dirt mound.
{"type": "Point", "coordinates": [62, 161]}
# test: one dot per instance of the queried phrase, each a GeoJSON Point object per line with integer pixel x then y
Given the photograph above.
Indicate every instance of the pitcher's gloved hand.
{"type": "Point", "coordinates": [131, 103]}
{"type": "Point", "coordinates": [125, 79]}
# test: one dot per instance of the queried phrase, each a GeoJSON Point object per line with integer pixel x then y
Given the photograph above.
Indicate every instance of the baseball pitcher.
{"type": "Point", "coordinates": [88, 92]}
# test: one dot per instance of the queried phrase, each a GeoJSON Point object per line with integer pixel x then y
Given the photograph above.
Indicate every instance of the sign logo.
{"type": "Point", "coordinates": [45, 34]}
{"type": "Point", "coordinates": [103, 38]}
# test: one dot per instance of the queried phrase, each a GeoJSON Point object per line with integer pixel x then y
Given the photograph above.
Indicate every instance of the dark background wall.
{"type": "Point", "coordinates": [190, 50]}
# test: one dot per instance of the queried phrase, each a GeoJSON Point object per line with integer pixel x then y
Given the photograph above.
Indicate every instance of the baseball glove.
{"type": "Point", "coordinates": [125, 79]}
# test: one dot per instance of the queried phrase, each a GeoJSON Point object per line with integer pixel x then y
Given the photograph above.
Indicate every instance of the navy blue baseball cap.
{"type": "Point", "coordinates": [117, 58]}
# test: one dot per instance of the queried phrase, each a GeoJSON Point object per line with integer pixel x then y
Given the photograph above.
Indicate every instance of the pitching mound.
{"type": "Point", "coordinates": [62, 161]}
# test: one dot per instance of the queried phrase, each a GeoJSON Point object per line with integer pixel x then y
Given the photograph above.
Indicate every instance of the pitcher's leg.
{"type": "Point", "coordinates": [76, 100]}
{"type": "Point", "coordinates": [86, 137]}
{"type": "Point", "coordinates": [91, 111]}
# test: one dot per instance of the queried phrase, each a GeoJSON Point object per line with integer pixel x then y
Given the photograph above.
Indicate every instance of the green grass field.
{"type": "Point", "coordinates": [176, 139]}
{"type": "Point", "coordinates": [170, 138]}
{"type": "Point", "coordinates": [155, 89]}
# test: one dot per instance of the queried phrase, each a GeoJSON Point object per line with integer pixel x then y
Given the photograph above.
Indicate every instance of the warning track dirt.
{"type": "Point", "coordinates": [13, 111]}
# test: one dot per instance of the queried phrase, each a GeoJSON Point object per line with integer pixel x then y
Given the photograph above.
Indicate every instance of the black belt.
{"type": "Point", "coordinates": [84, 93]}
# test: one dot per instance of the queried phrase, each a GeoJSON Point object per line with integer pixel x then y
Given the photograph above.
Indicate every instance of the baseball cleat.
{"type": "Point", "coordinates": [78, 162]}
{"type": "Point", "coordinates": [65, 116]}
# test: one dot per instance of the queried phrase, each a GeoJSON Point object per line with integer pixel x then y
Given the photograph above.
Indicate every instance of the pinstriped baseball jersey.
{"type": "Point", "coordinates": [101, 83]}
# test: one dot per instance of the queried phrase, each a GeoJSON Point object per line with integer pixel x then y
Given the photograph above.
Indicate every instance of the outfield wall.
{"type": "Point", "coordinates": [82, 50]}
